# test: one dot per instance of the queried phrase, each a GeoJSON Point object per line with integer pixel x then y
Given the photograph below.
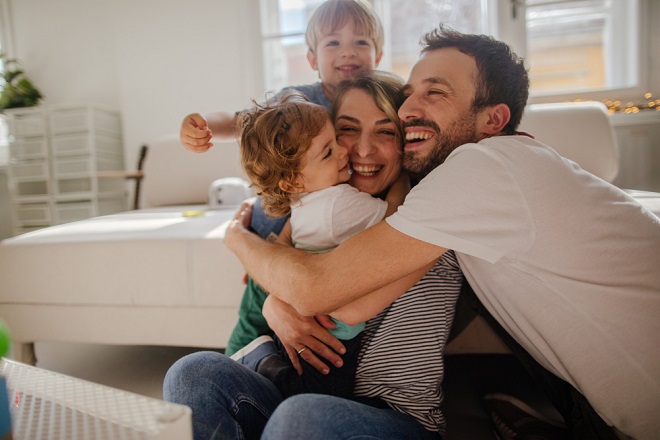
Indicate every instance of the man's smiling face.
{"type": "Point", "coordinates": [437, 115]}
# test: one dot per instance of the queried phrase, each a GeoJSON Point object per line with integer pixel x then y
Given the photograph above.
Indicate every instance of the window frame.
{"type": "Point", "coordinates": [511, 30]}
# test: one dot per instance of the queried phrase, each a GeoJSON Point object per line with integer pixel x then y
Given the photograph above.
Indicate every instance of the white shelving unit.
{"type": "Point", "coordinates": [56, 155]}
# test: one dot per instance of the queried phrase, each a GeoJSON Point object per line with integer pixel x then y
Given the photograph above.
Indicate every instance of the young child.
{"type": "Point", "coordinates": [344, 37]}
{"type": "Point", "coordinates": [290, 154]}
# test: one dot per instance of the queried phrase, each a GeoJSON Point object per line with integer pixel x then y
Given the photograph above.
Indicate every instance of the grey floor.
{"type": "Point", "coordinates": [137, 369]}
{"type": "Point", "coordinates": [141, 370]}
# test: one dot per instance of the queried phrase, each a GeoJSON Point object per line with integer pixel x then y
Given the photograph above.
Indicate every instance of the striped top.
{"type": "Point", "coordinates": [401, 360]}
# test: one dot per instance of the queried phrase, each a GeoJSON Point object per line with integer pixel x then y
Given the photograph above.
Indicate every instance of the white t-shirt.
{"type": "Point", "coordinates": [323, 219]}
{"type": "Point", "coordinates": [568, 264]}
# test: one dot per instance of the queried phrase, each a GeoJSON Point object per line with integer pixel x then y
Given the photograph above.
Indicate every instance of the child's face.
{"type": "Point", "coordinates": [326, 162]}
{"type": "Point", "coordinates": [342, 54]}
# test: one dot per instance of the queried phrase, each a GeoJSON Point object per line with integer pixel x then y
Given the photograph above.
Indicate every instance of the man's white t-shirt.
{"type": "Point", "coordinates": [568, 264]}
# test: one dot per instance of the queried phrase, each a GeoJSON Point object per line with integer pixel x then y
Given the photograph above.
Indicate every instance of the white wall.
{"type": "Point", "coordinates": [154, 60]}
{"type": "Point", "coordinates": [158, 60]}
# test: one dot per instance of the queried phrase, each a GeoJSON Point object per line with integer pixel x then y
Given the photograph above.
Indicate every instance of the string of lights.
{"type": "Point", "coordinates": [649, 103]}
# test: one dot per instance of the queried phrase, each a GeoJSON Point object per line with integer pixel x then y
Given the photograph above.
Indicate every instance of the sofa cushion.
{"type": "Point", "coordinates": [168, 168]}
{"type": "Point", "coordinates": [148, 257]}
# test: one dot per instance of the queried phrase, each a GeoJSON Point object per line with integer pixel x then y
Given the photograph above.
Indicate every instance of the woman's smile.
{"type": "Point", "coordinates": [366, 170]}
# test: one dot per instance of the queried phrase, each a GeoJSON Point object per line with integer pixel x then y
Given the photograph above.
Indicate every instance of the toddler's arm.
{"type": "Point", "coordinates": [197, 130]}
{"type": "Point", "coordinates": [285, 234]}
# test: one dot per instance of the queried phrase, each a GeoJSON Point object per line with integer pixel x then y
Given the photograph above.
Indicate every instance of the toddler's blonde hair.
{"type": "Point", "coordinates": [274, 140]}
{"type": "Point", "coordinates": [335, 14]}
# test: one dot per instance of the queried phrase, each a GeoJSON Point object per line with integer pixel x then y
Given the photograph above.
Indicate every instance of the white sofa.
{"type": "Point", "coordinates": [155, 277]}
{"type": "Point", "coordinates": [151, 276]}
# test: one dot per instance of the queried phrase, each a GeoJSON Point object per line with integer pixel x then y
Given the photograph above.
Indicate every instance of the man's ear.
{"type": "Point", "coordinates": [311, 57]}
{"type": "Point", "coordinates": [290, 187]}
{"type": "Point", "coordinates": [493, 119]}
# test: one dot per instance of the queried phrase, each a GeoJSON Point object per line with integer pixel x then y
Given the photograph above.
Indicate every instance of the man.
{"type": "Point", "coordinates": [565, 262]}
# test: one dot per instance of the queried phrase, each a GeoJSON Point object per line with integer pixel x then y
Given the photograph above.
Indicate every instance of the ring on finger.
{"type": "Point", "coordinates": [301, 350]}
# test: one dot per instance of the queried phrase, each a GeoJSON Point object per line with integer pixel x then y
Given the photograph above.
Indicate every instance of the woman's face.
{"type": "Point", "coordinates": [370, 137]}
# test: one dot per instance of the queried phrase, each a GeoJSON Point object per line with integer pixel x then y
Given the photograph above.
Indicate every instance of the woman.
{"type": "Point", "coordinates": [230, 399]}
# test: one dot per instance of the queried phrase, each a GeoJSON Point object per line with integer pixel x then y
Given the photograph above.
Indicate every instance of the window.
{"type": "Point", "coordinates": [402, 35]}
{"type": "Point", "coordinates": [581, 46]}
{"type": "Point", "coordinates": [283, 25]}
{"type": "Point", "coordinates": [573, 47]}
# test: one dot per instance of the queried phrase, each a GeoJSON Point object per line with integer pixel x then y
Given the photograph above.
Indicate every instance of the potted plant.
{"type": "Point", "coordinates": [16, 89]}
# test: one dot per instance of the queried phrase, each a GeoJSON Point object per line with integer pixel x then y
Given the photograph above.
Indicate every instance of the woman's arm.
{"type": "Point", "coordinates": [296, 331]}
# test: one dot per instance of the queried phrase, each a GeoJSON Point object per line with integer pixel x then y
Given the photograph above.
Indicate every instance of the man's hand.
{"type": "Point", "coordinates": [303, 336]}
{"type": "Point", "coordinates": [195, 134]}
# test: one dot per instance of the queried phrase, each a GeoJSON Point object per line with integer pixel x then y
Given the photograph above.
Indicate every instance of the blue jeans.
{"type": "Point", "coordinates": [230, 401]}
{"type": "Point", "coordinates": [319, 417]}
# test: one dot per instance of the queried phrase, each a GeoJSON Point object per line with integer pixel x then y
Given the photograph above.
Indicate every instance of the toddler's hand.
{"type": "Point", "coordinates": [195, 134]}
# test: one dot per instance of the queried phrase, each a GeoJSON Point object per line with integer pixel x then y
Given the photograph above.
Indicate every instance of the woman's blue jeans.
{"type": "Point", "coordinates": [230, 401]}
{"type": "Point", "coordinates": [319, 417]}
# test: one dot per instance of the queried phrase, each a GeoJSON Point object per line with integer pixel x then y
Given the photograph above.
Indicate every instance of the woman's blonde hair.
{"type": "Point", "coordinates": [385, 88]}
{"type": "Point", "coordinates": [274, 141]}
{"type": "Point", "coordinates": [335, 14]}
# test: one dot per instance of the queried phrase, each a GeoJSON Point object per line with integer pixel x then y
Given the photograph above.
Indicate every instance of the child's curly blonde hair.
{"type": "Point", "coordinates": [274, 141]}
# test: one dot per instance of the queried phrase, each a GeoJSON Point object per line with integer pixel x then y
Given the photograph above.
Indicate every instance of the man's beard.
{"type": "Point", "coordinates": [462, 131]}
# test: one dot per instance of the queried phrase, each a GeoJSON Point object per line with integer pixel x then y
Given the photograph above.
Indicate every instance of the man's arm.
{"type": "Point", "coordinates": [371, 304]}
{"type": "Point", "coordinates": [321, 283]}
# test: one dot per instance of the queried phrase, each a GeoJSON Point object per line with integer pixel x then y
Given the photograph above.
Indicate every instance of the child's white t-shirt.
{"type": "Point", "coordinates": [323, 219]}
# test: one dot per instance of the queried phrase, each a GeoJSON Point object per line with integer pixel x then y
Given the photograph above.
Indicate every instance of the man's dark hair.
{"type": "Point", "coordinates": [502, 77]}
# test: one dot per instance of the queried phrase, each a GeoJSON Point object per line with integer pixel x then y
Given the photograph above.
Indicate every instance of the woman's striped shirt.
{"type": "Point", "coordinates": [401, 360]}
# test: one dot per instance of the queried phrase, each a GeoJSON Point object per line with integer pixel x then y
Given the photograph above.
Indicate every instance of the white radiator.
{"type": "Point", "coordinates": [638, 136]}
{"type": "Point", "coordinates": [48, 405]}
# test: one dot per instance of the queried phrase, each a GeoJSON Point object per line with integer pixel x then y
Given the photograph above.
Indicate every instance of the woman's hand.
{"type": "Point", "coordinates": [303, 336]}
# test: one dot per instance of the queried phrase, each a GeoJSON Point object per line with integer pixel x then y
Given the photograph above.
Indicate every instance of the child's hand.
{"type": "Point", "coordinates": [195, 134]}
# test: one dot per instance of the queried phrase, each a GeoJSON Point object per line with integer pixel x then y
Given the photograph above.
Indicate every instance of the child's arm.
{"type": "Point", "coordinates": [197, 130]}
{"type": "Point", "coordinates": [284, 236]}
{"type": "Point", "coordinates": [371, 304]}
{"type": "Point", "coordinates": [397, 193]}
